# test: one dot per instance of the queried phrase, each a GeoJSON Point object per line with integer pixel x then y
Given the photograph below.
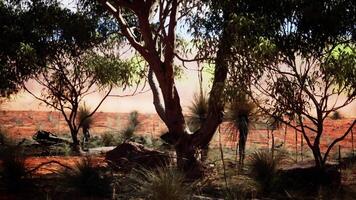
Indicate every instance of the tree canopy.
{"type": "Point", "coordinates": [32, 32]}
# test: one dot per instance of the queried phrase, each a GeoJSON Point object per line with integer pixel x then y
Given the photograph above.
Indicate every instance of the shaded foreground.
{"type": "Point", "coordinates": [83, 177]}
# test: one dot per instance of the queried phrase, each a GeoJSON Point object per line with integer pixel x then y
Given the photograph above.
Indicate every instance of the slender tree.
{"type": "Point", "coordinates": [69, 80]}
{"type": "Point", "coordinates": [240, 112]}
{"type": "Point", "coordinates": [301, 63]}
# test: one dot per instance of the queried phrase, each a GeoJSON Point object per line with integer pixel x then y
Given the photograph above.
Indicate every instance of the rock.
{"type": "Point", "coordinates": [130, 154]}
{"type": "Point", "coordinates": [302, 175]}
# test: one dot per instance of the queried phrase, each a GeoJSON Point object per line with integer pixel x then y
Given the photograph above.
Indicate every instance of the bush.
{"type": "Point", "coordinates": [60, 149]}
{"type": "Point", "coordinates": [241, 191]}
{"type": "Point", "coordinates": [336, 115]}
{"type": "Point", "coordinates": [264, 168]}
{"type": "Point", "coordinates": [87, 179]}
{"type": "Point", "coordinates": [164, 183]}
{"type": "Point", "coordinates": [129, 131]}
{"type": "Point", "coordinates": [109, 139]}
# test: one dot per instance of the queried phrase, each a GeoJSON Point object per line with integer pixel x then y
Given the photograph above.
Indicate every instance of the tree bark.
{"type": "Point", "coordinates": [186, 144]}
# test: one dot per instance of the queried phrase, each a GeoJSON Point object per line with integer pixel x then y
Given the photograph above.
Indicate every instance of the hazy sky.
{"type": "Point", "coordinates": [187, 86]}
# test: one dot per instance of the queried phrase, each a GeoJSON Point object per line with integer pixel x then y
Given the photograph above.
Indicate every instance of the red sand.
{"type": "Point", "coordinates": [23, 124]}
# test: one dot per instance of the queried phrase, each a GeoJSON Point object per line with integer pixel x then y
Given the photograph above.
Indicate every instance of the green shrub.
{"type": "Point", "coordinates": [264, 168]}
{"type": "Point", "coordinates": [60, 149]}
{"type": "Point", "coordinates": [95, 141]}
{"type": "Point", "coordinates": [163, 183]}
{"type": "Point", "coordinates": [88, 180]}
{"type": "Point", "coordinates": [110, 139]}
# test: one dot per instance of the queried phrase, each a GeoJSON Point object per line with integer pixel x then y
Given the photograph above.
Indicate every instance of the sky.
{"type": "Point", "coordinates": [187, 86]}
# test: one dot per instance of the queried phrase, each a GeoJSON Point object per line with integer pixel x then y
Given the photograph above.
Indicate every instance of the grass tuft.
{"type": "Point", "coordinates": [264, 168]}
{"type": "Point", "coordinates": [88, 180]}
{"type": "Point", "coordinates": [163, 183]}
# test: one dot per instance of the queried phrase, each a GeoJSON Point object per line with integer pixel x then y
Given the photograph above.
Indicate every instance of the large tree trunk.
{"type": "Point", "coordinates": [76, 142]}
{"type": "Point", "coordinates": [171, 113]}
{"type": "Point", "coordinates": [188, 144]}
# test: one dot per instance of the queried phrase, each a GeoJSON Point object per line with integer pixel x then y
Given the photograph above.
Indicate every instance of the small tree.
{"type": "Point", "coordinates": [68, 80]}
{"type": "Point", "coordinates": [83, 113]}
{"type": "Point", "coordinates": [240, 111]}
{"type": "Point", "coordinates": [297, 64]}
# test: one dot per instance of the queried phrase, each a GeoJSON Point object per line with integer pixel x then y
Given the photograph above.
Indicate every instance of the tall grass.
{"type": "Point", "coordinates": [163, 183]}
{"type": "Point", "coordinates": [198, 111]}
{"type": "Point", "coordinates": [86, 179]}
{"type": "Point", "coordinates": [129, 131]}
{"type": "Point", "coordinates": [264, 168]}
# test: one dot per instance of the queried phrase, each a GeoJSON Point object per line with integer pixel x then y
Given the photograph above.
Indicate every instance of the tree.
{"type": "Point", "coordinates": [68, 80]}
{"type": "Point", "coordinates": [300, 59]}
{"type": "Point", "coordinates": [85, 121]}
{"type": "Point", "coordinates": [32, 32]}
{"type": "Point", "coordinates": [149, 27]}
{"type": "Point", "coordinates": [240, 112]}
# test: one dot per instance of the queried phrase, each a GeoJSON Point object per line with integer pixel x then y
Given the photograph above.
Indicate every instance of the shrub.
{"type": "Point", "coordinates": [264, 168]}
{"type": "Point", "coordinates": [198, 111]}
{"type": "Point", "coordinates": [83, 114]}
{"type": "Point", "coordinates": [87, 179]}
{"type": "Point", "coordinates": [241, 191]}
{"type": "Point", "coordinates": [129, 131]}
{"type": "Point", "coordinates": [109, 139]}
{"type": "Point", "coordinates": [60, 149]}
{"type": "Point", "coordinates": [336, 115]}
{"type": "Point", "coordinates": [164, 183]}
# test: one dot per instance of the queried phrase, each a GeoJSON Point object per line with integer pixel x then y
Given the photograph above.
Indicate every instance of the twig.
{"type": "Point", "coordinates": [47, 163]}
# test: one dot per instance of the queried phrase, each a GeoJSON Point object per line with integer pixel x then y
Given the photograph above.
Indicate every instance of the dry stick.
{"type": "Point", "coordinates": [339, 154]}
{"type": "Point", "coordinates": [352, 143]}
{"type": "Point", "coordinates": [272, 147]}
{"type": "Point", "coordinates": [301, 146]}
{"type": "Point", "coordinates": [47, 163]}
{"type": "Point", "coordinates": [296, 146]}
{"type": "Point", "coordinates": [267, 138]}
{"type": "Point", "coordinates": [237, 149]}
{"type": "Point", "coordinates": [222, 158]}
{"type": "Point", "coordinates": [285, 136]}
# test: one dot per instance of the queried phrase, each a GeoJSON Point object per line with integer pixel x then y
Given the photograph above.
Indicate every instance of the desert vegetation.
{"type": "Point", "coordinates": [274, 81]}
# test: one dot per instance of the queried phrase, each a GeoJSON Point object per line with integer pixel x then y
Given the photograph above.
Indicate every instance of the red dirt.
{"type": "Point", "coordinates": [70, 161]}
{"type": "Point", "coordinates": [23, 124]}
